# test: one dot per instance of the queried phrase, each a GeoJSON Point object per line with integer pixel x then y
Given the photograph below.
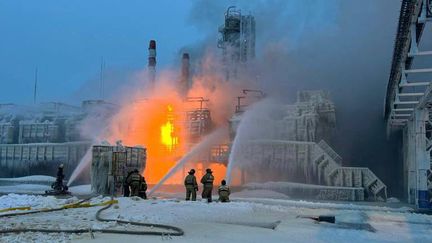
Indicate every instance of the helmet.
{"type": "Point", "coordinates": [223, 182]}
{"type": "Point", "coordinates": [61, 166]}
{"type": "Point", "coordinates": [192, 171]}
{"type": "Point", "coordinates": [209, 170]}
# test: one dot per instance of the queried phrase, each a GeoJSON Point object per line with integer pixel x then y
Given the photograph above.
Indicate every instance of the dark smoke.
{"type": "Point", "coordinates": [341, 46]}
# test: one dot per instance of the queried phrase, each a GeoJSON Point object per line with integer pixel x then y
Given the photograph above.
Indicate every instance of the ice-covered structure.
{"type": "Point", "coordinates": [111, 164]}
{"type": "Point", "coordinates": [311, 118]}
{"type": "Point", "coordinates": [287, 143]}
{"type": "Point", "coordinates": [35, 139]}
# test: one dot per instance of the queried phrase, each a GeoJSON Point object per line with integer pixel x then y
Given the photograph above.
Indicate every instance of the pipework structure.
{"type": "Point", "coordinates": [409, 100]}
{"type": "Point", "coordinates": [293, 149]}
{"type": "Point", "coordinates": [237, 40]}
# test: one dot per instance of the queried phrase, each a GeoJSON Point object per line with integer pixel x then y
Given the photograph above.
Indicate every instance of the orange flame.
{"type": "Point", "coordinates": [167, 131]}
{"type": "Point", "coordinates": [157, 122]}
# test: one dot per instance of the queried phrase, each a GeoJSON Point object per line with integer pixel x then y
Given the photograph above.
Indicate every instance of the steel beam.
{"type": "Point", "coordinates": [420, 53]}
{"type": "Point", "coordinates": [412, 84]}
{"type": "Point", "coordinates": [403, 109]}
{"type": "Point", "coordinates": [411, 94]}
{"type": "Point", "coordinates": [419, 70]}
{"type": "Point", "coordinates": [406, 102]}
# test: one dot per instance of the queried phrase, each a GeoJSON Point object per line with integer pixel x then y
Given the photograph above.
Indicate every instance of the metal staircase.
{"type": "Point", "coordinates": [327, 165]}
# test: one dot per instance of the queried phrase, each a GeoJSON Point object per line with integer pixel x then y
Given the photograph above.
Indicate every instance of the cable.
{"type": "Point", "coordinates": [45, 210]}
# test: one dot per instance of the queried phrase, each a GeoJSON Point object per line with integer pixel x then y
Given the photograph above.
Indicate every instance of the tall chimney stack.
{"type": "Point", "coordinates": [185, 74]}
{"type": "Point", "coordinates": [152, 61]}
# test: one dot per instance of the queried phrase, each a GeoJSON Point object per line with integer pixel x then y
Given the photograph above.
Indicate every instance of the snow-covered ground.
{"type": "Point", "coordinates": [222, 222]}
{"type": "Point", "coordinates": [80, 190]}
{"type": "Point", "coordinates": [24, 188]}
{"type": "Point", "coordinates": [30, 179]}
{"type": "Point", "coordinates": [36, 184]}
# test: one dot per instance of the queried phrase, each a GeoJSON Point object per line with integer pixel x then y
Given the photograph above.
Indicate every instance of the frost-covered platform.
{"type": "Point", "coordinates": [309, 191]}
{"type": "Point", "coordinates": [225, 222]}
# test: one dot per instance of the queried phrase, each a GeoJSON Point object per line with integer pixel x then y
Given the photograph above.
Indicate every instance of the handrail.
{"type": "Point", "coordinates": [336, 157]}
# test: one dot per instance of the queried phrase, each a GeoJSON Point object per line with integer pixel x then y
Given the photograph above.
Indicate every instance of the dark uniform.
{"type": "Point", "coordinates": [60, 175]}
{"type": "Point", "coordinates": [143, 188]}
{"type": "Point", "coordinates": [207, 181]}
{"type": "Point", "coordinates": [58, 185]}
{"type": "Point", "coordinates": [224, 192]}
{"type": "Point", "coordinates": [126, 189]}
{"type": "Point", "coordinates": [134, 182]}
{"type": "Point", "coordinates": [191, 185]}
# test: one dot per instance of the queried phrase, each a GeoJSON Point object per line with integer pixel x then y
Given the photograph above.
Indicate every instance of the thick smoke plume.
{"type": "Point", "coordinates": [154, 116]}
{"type": "Point", "coordinates": [341, 46]}
{"type": "Point", "coordinates": [344, 47]}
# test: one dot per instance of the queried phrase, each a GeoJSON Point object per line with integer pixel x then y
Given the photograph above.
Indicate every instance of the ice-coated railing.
{"type": "Point", "coordinates": [324, 146]}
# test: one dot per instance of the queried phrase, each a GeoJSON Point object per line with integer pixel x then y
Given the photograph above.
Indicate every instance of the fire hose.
{"type": "Point", "coordinates": [170, 230]}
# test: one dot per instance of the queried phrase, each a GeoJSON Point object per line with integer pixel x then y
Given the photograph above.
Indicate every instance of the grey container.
{"type": "Point", "coordinates": [110, 166]}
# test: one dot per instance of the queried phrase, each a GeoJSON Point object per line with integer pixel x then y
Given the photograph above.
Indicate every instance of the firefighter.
{"type": "Point", "coordinates": [224, 192]}
{"type": "Point", "coordinates": [134, 182]}
{"type": "Point", "coordinates": [191, 185]}
{"type": "Point", "coordinates": [59, 180]}
{"type": "Point", "coordinates": [207, 181]}
{"type": "Point", "coordinates": [126, 189]}
{"type": "Point", "coordinates": [143, 188]}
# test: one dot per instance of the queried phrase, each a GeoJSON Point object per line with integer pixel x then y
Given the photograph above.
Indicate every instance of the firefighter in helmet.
{"type": "Point", "coordinates": [142, 188]}
{"type": "Point", "coordinates": [126, 189]}
{"type": "Point", "coordinates": [191, 185]}
{"type": "Point", "coordinates": [207, 181]}
{"type": "Point", "coordinates": [58, 185]}
{"type": "Point", "coordinates": [224, 192]}
{"type": "Point", "coordinates": [134, 182]}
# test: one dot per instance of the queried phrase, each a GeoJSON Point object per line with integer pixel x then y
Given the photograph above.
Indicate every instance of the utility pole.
{"type": "Point", "coordinates": [35, 85]}
{"type": "Point", "coordinates": [101, 84]}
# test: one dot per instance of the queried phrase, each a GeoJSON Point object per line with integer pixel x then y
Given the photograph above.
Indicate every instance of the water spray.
{"type": "Point", "coordinates": [209, 140]}
{"type": "Point", "coordinates": [84, 163]}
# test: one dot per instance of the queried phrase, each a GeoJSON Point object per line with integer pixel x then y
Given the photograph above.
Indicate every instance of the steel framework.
{"type": "Point", "coordinates": [237, 40]}
{"type": "Point", "coordinates": [409, 100]}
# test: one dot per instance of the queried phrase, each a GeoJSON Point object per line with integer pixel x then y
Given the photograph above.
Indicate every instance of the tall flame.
{"type": "Point", "coordinates": [168, 130]}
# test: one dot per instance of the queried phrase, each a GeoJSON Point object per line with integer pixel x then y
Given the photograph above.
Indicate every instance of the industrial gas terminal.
{"type": "Point", "coordinates": [220, 145]}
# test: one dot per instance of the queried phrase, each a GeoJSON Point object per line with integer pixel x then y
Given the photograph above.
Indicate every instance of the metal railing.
{"type": "Point", "coordinates": [324, 146]}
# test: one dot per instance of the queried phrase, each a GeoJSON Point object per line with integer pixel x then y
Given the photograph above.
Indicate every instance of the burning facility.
{"type": "Point", "coordinates": [288, 143]}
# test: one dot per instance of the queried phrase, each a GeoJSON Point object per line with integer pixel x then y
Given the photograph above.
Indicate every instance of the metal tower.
{"type": "Point", "coordinates": [237, 40]}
